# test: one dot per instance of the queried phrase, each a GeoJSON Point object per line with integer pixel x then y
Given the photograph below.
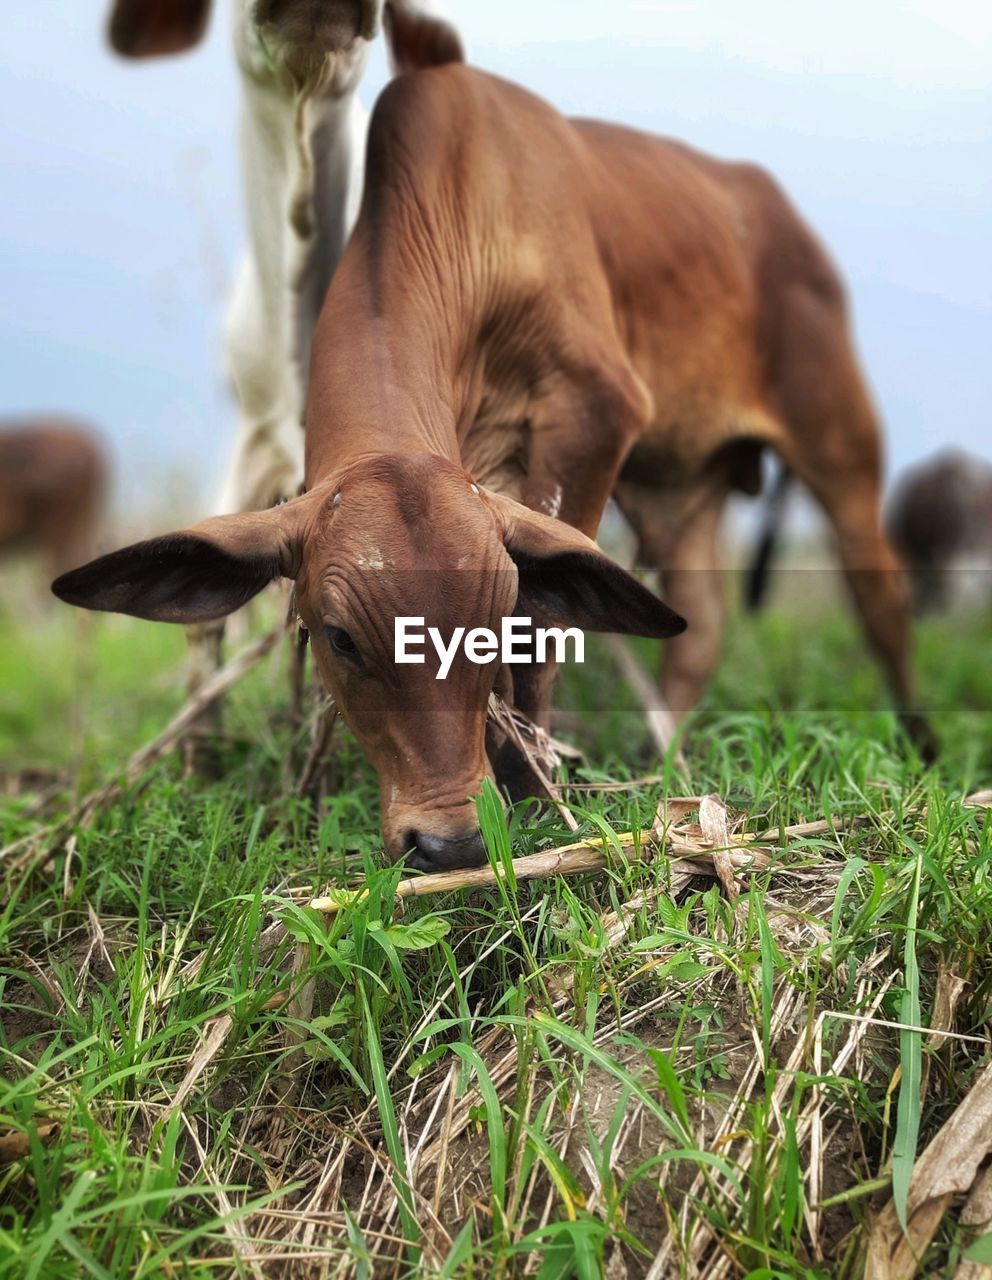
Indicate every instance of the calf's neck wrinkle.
{"type": "Point", "coordinates": [378, 385]}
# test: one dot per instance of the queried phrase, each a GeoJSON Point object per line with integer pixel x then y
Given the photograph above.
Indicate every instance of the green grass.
{"type": "Point", "coordinates": [481, 1079]}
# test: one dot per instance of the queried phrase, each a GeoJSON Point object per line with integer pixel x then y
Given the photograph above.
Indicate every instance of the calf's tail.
{"type": "Point", "coordinates": [756, 581]}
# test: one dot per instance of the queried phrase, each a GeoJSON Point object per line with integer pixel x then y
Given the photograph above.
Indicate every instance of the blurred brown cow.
{"type": "Point", "coordinates": [53, 481]}
{"type": "Point", "coordinates": [940, 522]}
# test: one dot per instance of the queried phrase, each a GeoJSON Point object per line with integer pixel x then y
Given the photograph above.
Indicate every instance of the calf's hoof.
{"type": "Point", "coordinates": [203, 753]}
{"type": "Point", "coordinates": [920, 733]}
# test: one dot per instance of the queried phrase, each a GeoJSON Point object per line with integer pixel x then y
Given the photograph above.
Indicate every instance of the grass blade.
{"type": "Point", "coordinates": [910, 1059]}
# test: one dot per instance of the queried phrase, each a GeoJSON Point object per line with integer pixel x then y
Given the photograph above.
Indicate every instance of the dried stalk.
{"type": "Point", "coordinates": [17, 1144]}
{"type": "Point", "coordinates": [569, 860]}
{"type": "Point", "coordinates": [713, 821]}
{"type": "Point", "coordinates": [591, 855]}
{"type": "Point", "coordinates": [537, 749]}
{"type": "Point", "coordinates": [320, 743]}
{"type": "Point", "coordinates": [213, 1042]}
{"type": "Point", "coordinates": [947, 1168]}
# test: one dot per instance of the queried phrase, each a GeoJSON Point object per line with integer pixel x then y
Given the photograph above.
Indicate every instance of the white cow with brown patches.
{"type": "Point", "coordinates": [303, 147]}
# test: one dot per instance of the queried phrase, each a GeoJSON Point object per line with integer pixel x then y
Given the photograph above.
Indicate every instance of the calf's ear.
{"type": "Point", "coordinates": [150, 28]}
{"type": "Point", "coordinates": [565, 578]}
{"type": "Point", "coordinates": [194, 575]}
{"type": "Point", "coordinates": [417, 39]}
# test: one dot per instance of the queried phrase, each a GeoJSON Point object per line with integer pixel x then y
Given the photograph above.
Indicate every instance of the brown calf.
{"type": "Point", "coordinates": [531, 314]}
{"type": "Point", "coordinates": [53, 479]}
{"type": "Point", "coordinates": [940, 522]}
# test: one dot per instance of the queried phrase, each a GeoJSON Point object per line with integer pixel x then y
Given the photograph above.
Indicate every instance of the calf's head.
{"type": "Point", "coordinates": [396, 536]}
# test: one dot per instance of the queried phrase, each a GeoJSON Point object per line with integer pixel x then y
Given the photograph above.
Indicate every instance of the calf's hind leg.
{"type": "Point", "coordinates": [878, 588]}
{"type": "Point", "coordinates": [834, 446]}
{"type": "Point", "coordinates": [677, 535]}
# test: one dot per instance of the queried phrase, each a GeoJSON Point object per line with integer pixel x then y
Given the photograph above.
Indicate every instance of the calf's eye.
{"type": "Point", "coordinates": [342, 644]}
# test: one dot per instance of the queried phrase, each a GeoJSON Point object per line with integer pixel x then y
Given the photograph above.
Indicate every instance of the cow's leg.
{"type": "Point", "coordinates": [692, 585]}
{"type": "Point", "coordinates": [580, 434]}
{"type": "Point", "coordinates": [677, 534]}
{"type": "Point", "coordinates": [266, 463]}
{"type": "Point", "coordinates": [834, 445]}
{"type": "Point", "coordinates": [851, 502]}
{"type": "Point", "coordinates": [264, 470]}
{"type": "Point", "coordinates": [267, 466]}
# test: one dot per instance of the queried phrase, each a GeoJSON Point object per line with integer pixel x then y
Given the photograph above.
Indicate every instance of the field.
{"type": "Point", "coordinates": [624, 1073]}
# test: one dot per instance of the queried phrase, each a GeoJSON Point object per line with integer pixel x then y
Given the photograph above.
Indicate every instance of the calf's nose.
{"type": "Point", "coordinates": [445, 853]}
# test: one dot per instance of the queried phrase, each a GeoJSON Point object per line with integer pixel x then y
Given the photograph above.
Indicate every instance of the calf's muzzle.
{"type": "Point", "coordinates": [445, 853]}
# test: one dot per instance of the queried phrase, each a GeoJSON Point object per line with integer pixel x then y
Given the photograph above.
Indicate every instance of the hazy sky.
{"type": "Point", "coordinates": [121, 223]}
